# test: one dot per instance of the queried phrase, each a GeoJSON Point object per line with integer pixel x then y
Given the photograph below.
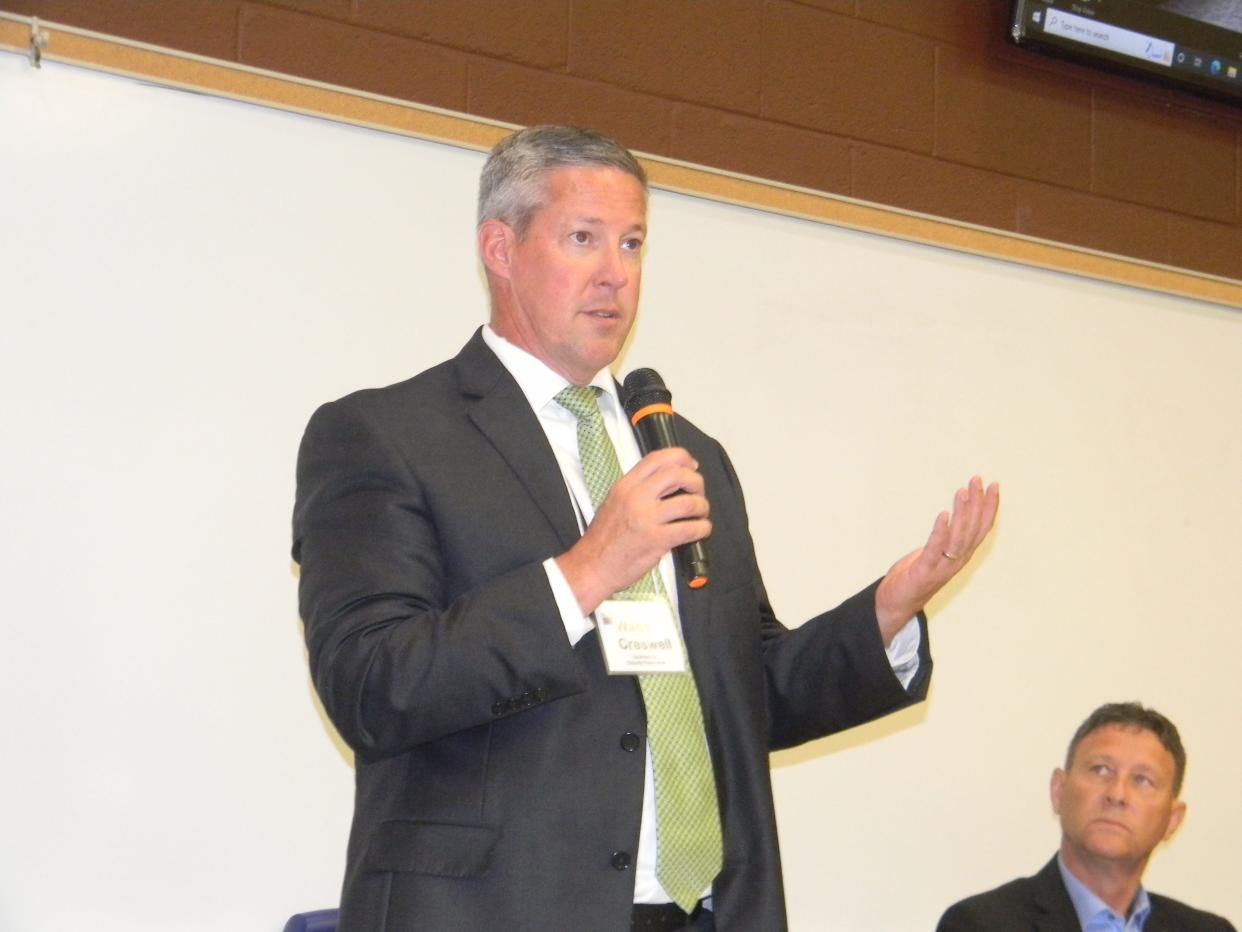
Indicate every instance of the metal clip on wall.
{"type": "Point", "coordinates": [38, 42]}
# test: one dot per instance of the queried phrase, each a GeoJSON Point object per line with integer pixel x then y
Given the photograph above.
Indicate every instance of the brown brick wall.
{"type": "Point", "coordinates": [919, 104]}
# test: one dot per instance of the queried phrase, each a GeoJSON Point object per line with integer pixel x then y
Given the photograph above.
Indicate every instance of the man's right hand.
{"type": "Point", "coordinates": [641, 520]}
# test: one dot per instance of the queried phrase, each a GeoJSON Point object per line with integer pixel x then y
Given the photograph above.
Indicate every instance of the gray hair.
{"type": "Point", "coordinates": [512, 185]}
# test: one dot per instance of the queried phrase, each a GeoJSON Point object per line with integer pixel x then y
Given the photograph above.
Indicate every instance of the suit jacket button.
{"type": "Point", "coordinates": [630, 742]}
{"type": "Point", "coordinates": [540, 694]}
{"type": "Point", "coordinates": [498, 708]}
{"type": "Point", "coordinates": [621, 860]}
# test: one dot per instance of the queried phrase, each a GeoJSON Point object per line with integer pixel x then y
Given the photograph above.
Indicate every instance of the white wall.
{"type": "Point", "coordinates": [185, 278]}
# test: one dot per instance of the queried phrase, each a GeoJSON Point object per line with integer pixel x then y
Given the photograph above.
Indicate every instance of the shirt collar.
{"type": "Point", "coordinates": [538, 383]}
{"type": "Point", "coordinates": [1090, 907]}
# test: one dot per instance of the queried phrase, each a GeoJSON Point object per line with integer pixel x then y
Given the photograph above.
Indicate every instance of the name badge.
{"type": "Point", "coordinates": [640, 637]}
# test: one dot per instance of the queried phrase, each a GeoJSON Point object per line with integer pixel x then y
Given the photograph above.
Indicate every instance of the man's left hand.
{"type": "Point", "coordinates": [919, 575]}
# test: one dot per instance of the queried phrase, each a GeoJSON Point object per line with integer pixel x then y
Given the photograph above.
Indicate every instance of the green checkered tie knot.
{"type": "Point", "coordinates": [689, 848]}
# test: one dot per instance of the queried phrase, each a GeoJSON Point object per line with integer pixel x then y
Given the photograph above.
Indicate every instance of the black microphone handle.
{"type": "Point", "coordinates": [656, 432]}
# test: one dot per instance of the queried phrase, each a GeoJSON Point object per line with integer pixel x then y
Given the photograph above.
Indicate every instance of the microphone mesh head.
{"type": "Point", "coordinates": [644, 387]}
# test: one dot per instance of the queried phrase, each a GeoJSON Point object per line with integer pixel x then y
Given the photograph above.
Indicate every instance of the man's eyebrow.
{"type": "Point", "coordinates": [588, 220]}
{"type": "Point", "coordinates": [1099, 757]}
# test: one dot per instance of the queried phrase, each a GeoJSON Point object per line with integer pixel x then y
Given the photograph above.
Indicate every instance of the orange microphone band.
{"type": "Point", "coordinates": [658, 408]}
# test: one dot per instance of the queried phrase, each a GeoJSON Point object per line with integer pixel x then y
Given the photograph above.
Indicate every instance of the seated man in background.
{"type": "Point", "coordinates": [1117, 799]}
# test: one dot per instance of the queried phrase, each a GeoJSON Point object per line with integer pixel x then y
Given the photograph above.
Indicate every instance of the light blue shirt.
{"type": "Point", "coordinates": [1094, 915]}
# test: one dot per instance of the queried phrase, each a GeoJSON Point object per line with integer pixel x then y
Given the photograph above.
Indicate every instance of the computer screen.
{"type": "Point", "coordinates": [1196, 44]}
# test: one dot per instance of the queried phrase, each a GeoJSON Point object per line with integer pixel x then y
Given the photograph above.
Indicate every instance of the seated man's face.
{"type": "Point", "coordinates": [1116, 800]}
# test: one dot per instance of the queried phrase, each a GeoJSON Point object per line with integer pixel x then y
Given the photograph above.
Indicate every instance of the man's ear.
{"type": "Point", "coordinates": [1175, 819]}
{"type": "Point", "coordinates": [1054, 789]}
{"type": "Point", "coordinates": [496, 240]}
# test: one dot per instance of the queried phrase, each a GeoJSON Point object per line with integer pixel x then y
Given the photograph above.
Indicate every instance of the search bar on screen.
{"type": "Point", "coordinates": [1111, 38]}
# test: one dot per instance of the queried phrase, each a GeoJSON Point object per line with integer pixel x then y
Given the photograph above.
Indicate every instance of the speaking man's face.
{"type": "Point", "coordinates": [1116, 800]}
{"type": "Point", "coordinates": [574, 277]}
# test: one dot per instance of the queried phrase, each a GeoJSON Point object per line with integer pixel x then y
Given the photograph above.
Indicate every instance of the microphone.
{"type": "Point", "coordinates": [649, 405]}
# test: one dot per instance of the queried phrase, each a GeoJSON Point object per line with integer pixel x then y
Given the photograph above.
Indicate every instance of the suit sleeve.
{"type": "Point", "coordinates": [394, 659]}
{"type": "Point", "coordinates": [831, 673]}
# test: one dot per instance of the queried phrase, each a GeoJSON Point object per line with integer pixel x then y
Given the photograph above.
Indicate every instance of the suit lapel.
{"type": "Point", "coordinates": [1054, 908]}
{"type": "Point", "coordinates": [497, 407]}
{"type": "Point", "coordinates": [1158, 920]}
{"type": "Point", "coordinates": [692, 604]}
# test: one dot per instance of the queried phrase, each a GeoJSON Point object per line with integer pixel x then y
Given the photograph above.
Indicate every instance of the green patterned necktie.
{"type": "Point", "coordinates": [689, 850]}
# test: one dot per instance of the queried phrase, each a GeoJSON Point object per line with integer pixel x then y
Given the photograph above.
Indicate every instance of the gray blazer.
{"type": "Point", "coordinates": [499, 773]}
{"type": "Point", "coordinates": [1042, 904]}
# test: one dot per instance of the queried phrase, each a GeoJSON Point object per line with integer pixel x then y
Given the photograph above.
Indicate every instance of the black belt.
{"type": "Point", "coordinates": [662, 917]}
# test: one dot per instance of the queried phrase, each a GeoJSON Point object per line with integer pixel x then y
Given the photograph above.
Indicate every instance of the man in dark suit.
{"type": "Point", "coordinates": [1118, 799]}
{"type": "Point", "coordinates": [461, 534]}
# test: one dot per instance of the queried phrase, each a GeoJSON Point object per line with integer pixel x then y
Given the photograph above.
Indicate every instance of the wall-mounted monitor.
{"type": "Point", "coordinates": [1195, 44]}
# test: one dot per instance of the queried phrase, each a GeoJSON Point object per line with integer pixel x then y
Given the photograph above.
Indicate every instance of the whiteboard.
{"type": "Point", "coordinates": [185, 278]}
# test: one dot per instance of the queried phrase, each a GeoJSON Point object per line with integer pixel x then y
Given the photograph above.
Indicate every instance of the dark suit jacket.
{"type": "Point", "coordinates": [499, 778]}
{"type": "Point", "coordinates": [1042, 904]}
